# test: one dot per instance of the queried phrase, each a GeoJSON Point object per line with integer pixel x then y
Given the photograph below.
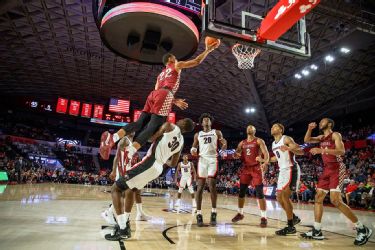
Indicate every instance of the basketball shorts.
{"type": "Point", "coordinates": [207, 167]}
{"type": "Point", "coordinates": [289, 177]}
{"type": "Point", "coordinates": [185, 182]}
{"type": "Point", "coordinates": [159, 102]}
{"type": "Point", "coordinates": [332, 178]}
{"type": "Point", "coordinates": [141, 173]}
{"type": "Point", "coordinates": [251, 175]}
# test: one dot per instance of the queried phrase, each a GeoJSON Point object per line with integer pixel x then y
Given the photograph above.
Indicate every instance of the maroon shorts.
{"type": "Point", "coordinates": [159, 102]}
{"type": "Point", "coordinates": [332, 177]}
{"type": "Point", "coordinates": [251, 175]}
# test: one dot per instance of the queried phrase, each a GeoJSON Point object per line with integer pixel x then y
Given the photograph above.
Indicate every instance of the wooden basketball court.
{"type": "Point", "coordinates": [61, 216]}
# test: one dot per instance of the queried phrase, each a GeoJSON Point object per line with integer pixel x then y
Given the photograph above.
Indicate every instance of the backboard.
{"type": "Point", "coordinates": [255, 24]}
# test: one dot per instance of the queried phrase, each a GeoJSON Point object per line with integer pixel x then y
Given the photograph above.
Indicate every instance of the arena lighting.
{"type": "Point", "coordinates": [313, 66]}
{"type": "Point", "coordinates": [247, 110]}
{"type": "Point", "coordinates": [329, 58]}
{"type": "Point", "coordinates": [344, 50]}
{"type": "Point", "coordinates": [305, 72]}
{"type": "Point", "coordinates": [252, 110]}
{"type": "Point", "coordinates": [298, 76]}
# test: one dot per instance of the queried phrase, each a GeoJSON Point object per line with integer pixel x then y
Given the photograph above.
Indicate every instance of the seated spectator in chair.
{"type": "Point", "coordinates": [350, 188]}
{"type": "Point", "coordinates": [367, 196]}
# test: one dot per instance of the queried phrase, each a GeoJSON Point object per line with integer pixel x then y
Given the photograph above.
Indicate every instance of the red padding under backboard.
{"type": "Point", "coordinates": [283, 16]}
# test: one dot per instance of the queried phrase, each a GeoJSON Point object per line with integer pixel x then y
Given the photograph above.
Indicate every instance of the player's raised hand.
{"type": "Point", "coordinates": [181, 103]}
{"type": "Point", "coordinates": [312, 125]}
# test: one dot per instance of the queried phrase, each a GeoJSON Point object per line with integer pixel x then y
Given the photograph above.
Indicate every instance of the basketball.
{"type": "Point", "coordinates": [211, 40]}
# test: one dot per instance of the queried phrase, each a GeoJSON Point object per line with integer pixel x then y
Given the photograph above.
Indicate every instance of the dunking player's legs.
{"type": "Point", "coordinates": [136, 126]}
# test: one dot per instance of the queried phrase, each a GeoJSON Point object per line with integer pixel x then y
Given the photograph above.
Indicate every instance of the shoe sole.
{"type": "Point", "coordinates": [234, 221]}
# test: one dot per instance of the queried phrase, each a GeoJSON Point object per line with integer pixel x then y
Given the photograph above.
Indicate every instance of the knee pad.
{"type": "Point", "coordinates": [259, 192]}
{"type": "Point", "coordinates": [243, 190]}
{"type": "Point", "coordinates": [191, 189]}
{"type": "Point", "coordinates": [180, 190]}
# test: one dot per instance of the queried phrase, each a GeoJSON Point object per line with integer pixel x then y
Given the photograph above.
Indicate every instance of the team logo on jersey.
{"type": "Point", "coordinates": [173, 144]}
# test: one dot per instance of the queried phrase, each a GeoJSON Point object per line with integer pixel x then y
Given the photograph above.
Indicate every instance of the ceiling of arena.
{"type": "Point", "coordinates": [52, 48]}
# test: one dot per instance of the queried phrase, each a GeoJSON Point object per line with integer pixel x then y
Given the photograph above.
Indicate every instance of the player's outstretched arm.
{"type": "Point", "coordinates": [308, 138]}
{"type": "Point", "coordinates": [194, 147]}
{"type": "Point", "coordinates": [238, 152]}
{"type": "Point", "coordinates": [222, 141]}
{"type": "Point", "coordinates": [173, 161]}
{"type": "Point", "coordinates": [196, 61]}
{"type": "Point", "coordinates": [292, 146]}
{"type": "Point", "coordinates": [264, 151]}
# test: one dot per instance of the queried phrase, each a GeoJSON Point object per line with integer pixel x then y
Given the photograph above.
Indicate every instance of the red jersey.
{"type": "Point", "coordinates": [169, 78]}
{"type": "Point", "coordinates": [328, 143]}
{"type": "Point", "coordinates": [250, 151]}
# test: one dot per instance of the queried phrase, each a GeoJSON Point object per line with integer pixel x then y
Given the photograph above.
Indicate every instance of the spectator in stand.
{"type": "Point", "coordinates": [305, 192]}
{"type": "Point", "coordinates": [352, 186]}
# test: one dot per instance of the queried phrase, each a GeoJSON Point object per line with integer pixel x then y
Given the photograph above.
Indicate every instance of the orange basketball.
{"type": "Point", "coordinates": [211, 40]}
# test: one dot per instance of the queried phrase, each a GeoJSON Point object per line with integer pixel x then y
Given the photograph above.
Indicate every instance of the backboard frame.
{"type": "Point", "coordinates": [241, 34]}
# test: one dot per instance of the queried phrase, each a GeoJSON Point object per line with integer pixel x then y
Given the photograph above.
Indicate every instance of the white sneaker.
{"type": "Point", "coordinates": [109, 217]}
{"type": "Point", "coordinates": [142, 217]}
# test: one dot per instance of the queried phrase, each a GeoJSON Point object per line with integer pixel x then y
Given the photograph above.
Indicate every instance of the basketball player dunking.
{"type": "Point", "coordinates": [158, 104]}
{"type": "Point", "coordinates": [250, 150]}
{"type": "Point", "coordinates": [331, 180]}
{"type": "Point", "coordinates": [187, 172]}
{"type": "Point", "coordinates": [207, 141]}
{"type": "Point", "coordinates": [166, 150]}
{"type": "Point", "coordinates": [120, 166]}
{"type": "Point", "coordinates": [285, 150]}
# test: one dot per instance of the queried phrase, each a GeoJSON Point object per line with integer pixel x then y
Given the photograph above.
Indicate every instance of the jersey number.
{"type": "Point", "coordinates": [207, 140]}
{"type": "Point", "coordinates": [248, 152]}
{"type": "Point", "coordinates": [173, 144]}
{"type": "Point", "coordinates": [277, 154]}
{"type": "Point", "coordinates": [186, 170]}
{"type": "Point", "coordinates": [165, 74]}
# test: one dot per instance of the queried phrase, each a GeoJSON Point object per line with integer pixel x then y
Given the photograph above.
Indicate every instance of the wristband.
{"type": "Point", "coordinates": [193, 150]}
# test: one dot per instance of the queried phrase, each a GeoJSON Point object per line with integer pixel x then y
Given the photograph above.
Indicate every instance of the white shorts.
{"type": "Point", "coordinates": [207, 167]}
{"type": "Point", "coordinates": [289, 177]}
{"type": "Point", "coordinates": [185, 181]}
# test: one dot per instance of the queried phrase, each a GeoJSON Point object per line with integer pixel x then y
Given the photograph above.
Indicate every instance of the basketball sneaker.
{"type": "Point", "coordinates": [296, 220]}
{"type": "Point", "coordinates": [313, 234]}
{"type": "Point", "coordinates": [286, 231]}
{"type": "Point", "coordinates": [199, 220]}
{"type": "Point", "coordinates": [119, 234]}
{"type": "Point", "coordinates": [238, 217]}
{"type": "Point", "coordinates": [263, 222]}
{"type": "Point", "coordinates": [106, 144]}
{"type": "Point", "coordinates": [142, 217]}
{"type": "Point", "coordinates": [363, 234]}
{"type": "Point", "coordinates": [213, 219]}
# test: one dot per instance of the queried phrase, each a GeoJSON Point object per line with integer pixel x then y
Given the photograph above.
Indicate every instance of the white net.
{"type": "Point", "coordinates": [245, 55]}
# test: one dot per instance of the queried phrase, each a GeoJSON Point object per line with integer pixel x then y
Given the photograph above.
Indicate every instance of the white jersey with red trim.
{"type": "Point", "coordinates": [284, 159]}
{"type": "Point", "coordinates": [186, 171]}
{"type": "Point", "coordinates": [171, 143]}
{"type": "Point", "coordinates": [208, 144]}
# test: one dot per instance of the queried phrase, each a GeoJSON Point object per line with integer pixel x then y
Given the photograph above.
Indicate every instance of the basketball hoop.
{"type": "Point", "coordinates": [245, 55]}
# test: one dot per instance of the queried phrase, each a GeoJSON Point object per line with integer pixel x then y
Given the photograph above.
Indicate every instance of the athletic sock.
{"type": "Point", "coordinates": [116, 137]}
{"type": "Point", "coordinates": [122, 219]}
{"type": "Point", "coordinates": [358, 224]}
{"type": "Point", "coordinates": [199, 211]}
{"type": "Point", "coordinates": [213, 210]}
{"type": "Point", "coordinates": [263, 213]}
{"type": "Point", "coordinates": [317, 226]}
{"type": "Point", "coordinates": [240, 210]}
{"type": "Point", "coordinates": [139, 208]}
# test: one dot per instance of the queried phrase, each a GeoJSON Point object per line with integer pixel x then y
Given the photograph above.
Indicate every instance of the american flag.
{"type": "Point", "coordinates": [119, 106]}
